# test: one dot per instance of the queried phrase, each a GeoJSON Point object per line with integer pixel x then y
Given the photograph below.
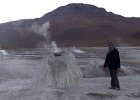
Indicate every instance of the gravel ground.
{"type": "Point", "coordinates": [18, 69]}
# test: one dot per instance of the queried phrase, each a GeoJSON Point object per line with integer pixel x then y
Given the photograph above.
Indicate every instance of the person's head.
{"type": "Point", "coordinates": [111, 45]}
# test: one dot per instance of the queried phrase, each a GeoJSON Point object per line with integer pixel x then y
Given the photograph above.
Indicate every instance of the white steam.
{"type": "Point", "coordinates": [55, 49]}
{"type": "Point", "coordinates": [42, 30]}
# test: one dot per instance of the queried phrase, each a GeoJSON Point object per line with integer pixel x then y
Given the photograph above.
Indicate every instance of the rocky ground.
{"type": "Point", "coordinates": [18, 69]}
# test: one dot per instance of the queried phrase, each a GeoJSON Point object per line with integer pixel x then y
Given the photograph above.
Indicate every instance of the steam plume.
{"type": "Point", "coordinates": [42, 30]}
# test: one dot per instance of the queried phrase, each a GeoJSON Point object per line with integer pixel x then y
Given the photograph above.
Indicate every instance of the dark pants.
{"type": "Point", "coordinates": [114, 79]}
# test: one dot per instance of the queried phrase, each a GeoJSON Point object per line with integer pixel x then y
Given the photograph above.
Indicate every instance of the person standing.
{"type": "Point", "coordinates": [112, 61]}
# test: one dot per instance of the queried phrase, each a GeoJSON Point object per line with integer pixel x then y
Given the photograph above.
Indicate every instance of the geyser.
{"type": "Point", "coordinates": [59, 70]}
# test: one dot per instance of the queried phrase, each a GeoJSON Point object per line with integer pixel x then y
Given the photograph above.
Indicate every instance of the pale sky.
{"type": "Point", "coordinates": [11, 10]}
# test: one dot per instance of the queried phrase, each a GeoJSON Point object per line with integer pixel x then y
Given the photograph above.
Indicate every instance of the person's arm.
{"type": "Point", "coordinates": [118, 59]}
{"type": "Point", "coordinates": [106, 59]}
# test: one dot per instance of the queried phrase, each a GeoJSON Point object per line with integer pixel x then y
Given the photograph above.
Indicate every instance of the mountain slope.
{"type": "Point", "coordinates": [73, 25]}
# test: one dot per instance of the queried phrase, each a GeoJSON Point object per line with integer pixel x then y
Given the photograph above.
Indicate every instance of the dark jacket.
{"type": "Point", "coordinates": [112, 60]}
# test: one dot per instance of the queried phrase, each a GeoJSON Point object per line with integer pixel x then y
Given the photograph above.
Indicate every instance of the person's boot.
{"type": "Point", "coordinates": [111, 87]}
{"type": "Point", "coordinates": [117, 88]}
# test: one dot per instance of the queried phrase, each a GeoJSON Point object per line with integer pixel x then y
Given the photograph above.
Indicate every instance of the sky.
{"type": "Point", "coordinates": [12, 10]}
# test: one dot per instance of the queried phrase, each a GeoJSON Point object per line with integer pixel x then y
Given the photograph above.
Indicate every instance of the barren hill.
{"type": "Point", "coordinates": [74, 25]}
